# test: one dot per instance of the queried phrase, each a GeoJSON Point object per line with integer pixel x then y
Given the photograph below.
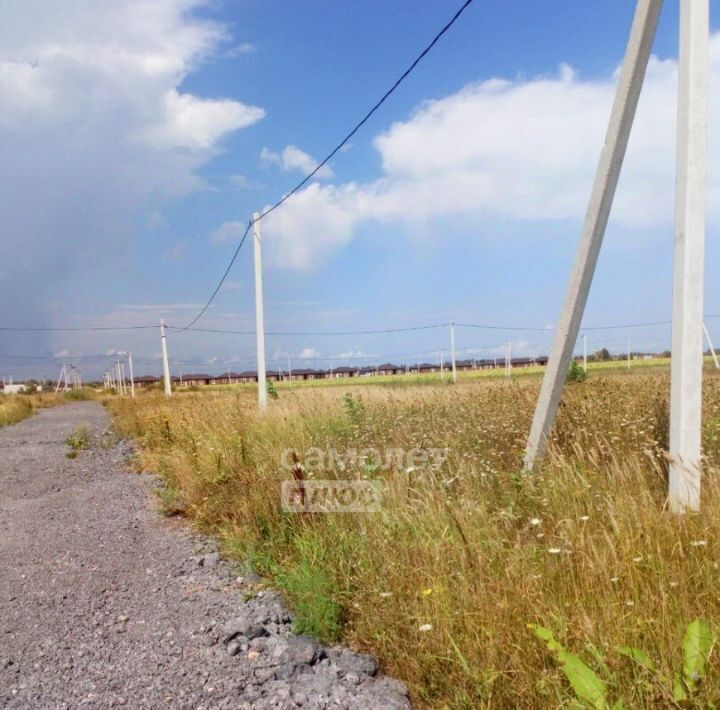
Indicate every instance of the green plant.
{"type": "Point", "coordinates": [354, 408]}
{"type": "Point", "coordinates": [591, 689]}
{"type": "Point", "coordinates": [79, 439]}
{"type": "Point", "coordinates": [272, 390]}
{"type": "Point", "coordinates": [585, 683]}
{"type": "Point", "coordinates": [697, 645]}
{"type": "Point", "coordinates": [576, 373]}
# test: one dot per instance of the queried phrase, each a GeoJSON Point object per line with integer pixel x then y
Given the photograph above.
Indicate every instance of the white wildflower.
{"type": "Point", "coordinates": [425, 627]}
{"type": "Point", "coordinates": [554, 550]}
{"type": "Point", "coordinates": [535, 521]}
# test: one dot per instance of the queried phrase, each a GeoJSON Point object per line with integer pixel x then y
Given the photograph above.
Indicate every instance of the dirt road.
{"type": "Point", "coordinates": [103, 603]}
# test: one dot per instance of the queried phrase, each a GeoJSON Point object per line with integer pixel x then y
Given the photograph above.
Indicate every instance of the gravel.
{"type": "Point", "coordinates": [103, 603]}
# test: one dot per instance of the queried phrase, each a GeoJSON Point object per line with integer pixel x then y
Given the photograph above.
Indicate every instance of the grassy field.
{"type": "Point", "coordinates": [467, 553]}
{"type": "Point", "coordinates": [16, 407]}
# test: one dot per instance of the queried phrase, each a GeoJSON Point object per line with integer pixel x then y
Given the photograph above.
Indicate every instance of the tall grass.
{"type": "Point", "coordinates": [444, 581]}
{"type": "Point", "coordinates": [16, 407]}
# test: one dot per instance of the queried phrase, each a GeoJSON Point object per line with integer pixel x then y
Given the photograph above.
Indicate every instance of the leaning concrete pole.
{"type": "Point", "coordinates": [166, 365]}
{"type": "Point", "coordinates": [687, 328]}
{"type": "Point", "coordinates": [606, 179]}
{"type": "Point", "coordinates": [712, 348]}
{"type": "Point", "coordinates": [259, 317]}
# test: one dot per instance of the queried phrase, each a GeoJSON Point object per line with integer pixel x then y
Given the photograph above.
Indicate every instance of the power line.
{"type": "Point", "coordinates": [332, 153]}
{"type": "Point", "coordinates": [89, 329]}
{"type": "Point", "coordinates": [309, 333]}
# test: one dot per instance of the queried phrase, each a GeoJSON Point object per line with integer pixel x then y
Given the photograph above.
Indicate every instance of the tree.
{"type": "Point", "coordinates": [603, 355]}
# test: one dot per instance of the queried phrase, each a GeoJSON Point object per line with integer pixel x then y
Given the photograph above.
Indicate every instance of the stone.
{"type": "Point", "coordinates": [242, 626]}
{"type": "Point", "coordinates": [350, 662]}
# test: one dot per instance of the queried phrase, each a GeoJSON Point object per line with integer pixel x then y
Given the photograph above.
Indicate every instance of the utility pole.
{"type": "Point", "coordinates": [712, 349]}
{"type": "Point", "coordinates": [628, 353]}
{"type": "Point", "coordinates": [452, 351]}
{"type": "Point", "coordinates": [690, 189]}
{"type": "Point", "coordinates": [289, 369]}
{"type": "Point", "coordinates": [60, 376]}
{"type": "Point", "coordinates": [606, 179]}
{"type": "Point", "coordinates": [508, 362]}
{"type": "Point", "coordinates": [585, 352]}
{"type": "Point", "coordinates": [166, 366]}
{"type": "Point", "coordinates": [132, 376]}
{"type": "Point", "coordinates": [259, 317]}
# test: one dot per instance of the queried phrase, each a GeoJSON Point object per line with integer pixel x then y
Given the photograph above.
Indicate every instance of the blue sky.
{"type": "Point", "coordinates": [139, 138]}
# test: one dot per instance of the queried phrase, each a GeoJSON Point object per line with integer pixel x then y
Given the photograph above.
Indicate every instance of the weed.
{"type": "Point", "coordinates": [79, 439]}
{"type": "Point", "coordinates": [576, 373]}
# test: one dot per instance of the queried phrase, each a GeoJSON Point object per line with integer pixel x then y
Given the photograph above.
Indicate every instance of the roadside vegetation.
{"type": "Point", "coordinates": [16, 407]}
{"type": "Point", "coordinates": [476, 584]}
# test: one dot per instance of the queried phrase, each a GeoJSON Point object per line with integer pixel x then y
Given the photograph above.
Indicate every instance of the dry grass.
{"type": "Point", "coordinates": [472, 548]}
{"type": "Point", "coordinates": [16, 407]}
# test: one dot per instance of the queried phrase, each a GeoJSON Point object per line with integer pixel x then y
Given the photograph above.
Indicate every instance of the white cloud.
{"type": "Point", "coordinates": [177, 251]}
{"type": "Point", "coordinates": [308, 353]}
{"type": "Point", "coordinates": [292, 158]}
{"type": "Point", "coordinates": [524, 150]}
{"type": "Point", "coordinates": [351, 354]}
{"type": "Point", "coordinates": [97, 133]}
{"type": "Point", "coordinates": [61, 353]}
{"type": "Point", "coordinates": [239, 49]}
{"type": "Point", "coordinates": [228, 232]}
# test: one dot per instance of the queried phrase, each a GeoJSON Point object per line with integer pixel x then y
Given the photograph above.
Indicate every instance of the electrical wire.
{"type": "Point", "coordinates": [331, 154]}
{"type": "Point", "coordinates": [308, 333]}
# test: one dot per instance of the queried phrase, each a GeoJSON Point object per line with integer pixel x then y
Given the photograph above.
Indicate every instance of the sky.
{"type": "Point", "coordinates": [139, 136]}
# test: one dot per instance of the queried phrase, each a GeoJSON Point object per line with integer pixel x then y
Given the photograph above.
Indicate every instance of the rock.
{"type": "Point", "coordinates": [302, 649]}
{"type": "Point", "coordinates": [350, 662]}
{"type": "Point", "coordinates": [291, 670]}
{"type": "Point", "coordinates": [242, 626]}
{"type": "Point", "coordinates": [210, 560]}
{"type": "Point", "coordinates": [233, 648]}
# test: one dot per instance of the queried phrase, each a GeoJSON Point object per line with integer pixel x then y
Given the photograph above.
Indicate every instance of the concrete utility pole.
{"type": "Point", "coordinates": [712, 349]}
{"type": "Point", "coordinates": [452, 351]}
{"type": "Point", "coordinates": [628, 353]}
{"type": "Point", "coordinates": [289, 370]}
{"type": "Point", "coordinates": [508, 362]}
{"type": "Point", "coordinates": [690, 188]}
{"type": "Point", "coordinates": [60, 376]}
{"type": "Point", "coordinates": [132, 376]}
{"type": "Point", "coordinates": [166, 366]}
{"type": "Point", "coordinates": [259, 317]}
{"type": "Point", "coordinates": [442, 367]}
{"type": "Point", "coordinates": [606, 179]}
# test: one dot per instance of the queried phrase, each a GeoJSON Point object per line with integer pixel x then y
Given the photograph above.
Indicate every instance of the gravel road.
{"type": "Point", "coordinates": [104, 603]}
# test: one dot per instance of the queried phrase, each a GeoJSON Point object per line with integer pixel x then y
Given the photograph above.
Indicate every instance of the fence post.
{"type": "Point", "coordinates": [259, 317]}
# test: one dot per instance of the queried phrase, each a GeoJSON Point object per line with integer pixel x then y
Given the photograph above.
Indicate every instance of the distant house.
{"type": "Point", "coordinates": [10, 388]}
{"type": "Point", "coordinates": [340, 372]}
{"type": "Point", "coordinates": [197, 379]}
{"type": "Point", "coordinates": [305, 374]}
{"type": "Point", "coordinates": [247, 376]}
{"type": "Point", "coordinates": [146, 381]}
{"type": "Point", "coordinates": [389, 369]}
